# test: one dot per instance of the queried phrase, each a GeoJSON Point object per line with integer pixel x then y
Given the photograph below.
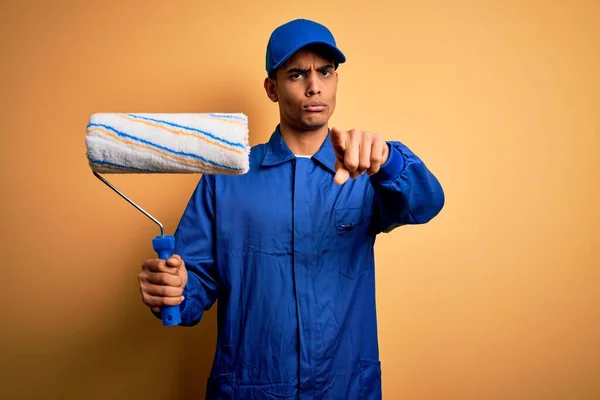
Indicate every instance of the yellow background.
{"type": "Point", "coordinates": [497, 298]}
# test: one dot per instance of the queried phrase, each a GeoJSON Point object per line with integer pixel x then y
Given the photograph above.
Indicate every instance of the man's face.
{"type": "Point", "coordinates": [305, 87]}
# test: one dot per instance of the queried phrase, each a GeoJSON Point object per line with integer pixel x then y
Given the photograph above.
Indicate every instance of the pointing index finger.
{"type": "Point", "coordinates": [338, 138]}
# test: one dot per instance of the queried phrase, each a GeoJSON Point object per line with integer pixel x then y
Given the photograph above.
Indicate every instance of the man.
{"type": "Point", "coordinates": [287, 249]}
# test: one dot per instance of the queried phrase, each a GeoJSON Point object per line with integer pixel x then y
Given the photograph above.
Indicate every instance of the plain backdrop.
{"type": "Point", "coordinates": [497, 298]}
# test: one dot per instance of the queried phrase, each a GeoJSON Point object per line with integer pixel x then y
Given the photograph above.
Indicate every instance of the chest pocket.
{"type": "Point", "coordinates": [353, 234]}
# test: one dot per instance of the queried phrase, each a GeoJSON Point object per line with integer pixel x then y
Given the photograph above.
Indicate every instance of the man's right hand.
{"type": "Point", "coordinates": [162, 282]}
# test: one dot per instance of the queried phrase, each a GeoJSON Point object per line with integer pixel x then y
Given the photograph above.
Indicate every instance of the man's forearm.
{"type": "Point", "coordinates": [406, 191]}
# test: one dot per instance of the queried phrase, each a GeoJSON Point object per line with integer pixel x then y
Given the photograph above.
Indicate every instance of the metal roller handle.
{"type": "Point", "coordinates": [163, 245]}
{"type": "Point", "coordinates": [107, 183]}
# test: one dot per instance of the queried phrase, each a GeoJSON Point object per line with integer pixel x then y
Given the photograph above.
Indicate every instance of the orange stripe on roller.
{"type": "Point", "coordinates": [182, 132]}
{"type": "Point", "coordinates": [226, 120]}
{"type": "Point", "coordinates": [203, 165]}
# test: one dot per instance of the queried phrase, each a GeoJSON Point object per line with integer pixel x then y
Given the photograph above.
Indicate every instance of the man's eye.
{"type": "Point", "coordinates": [326, 72]}
{"type": "Point", "coordinates": [296, 76]}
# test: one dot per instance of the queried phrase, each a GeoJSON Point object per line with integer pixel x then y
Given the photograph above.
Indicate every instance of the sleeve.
{"type": "Point", "coordinates": [194, 242]}
{"type": "Point", "coordinates": [405, 191]}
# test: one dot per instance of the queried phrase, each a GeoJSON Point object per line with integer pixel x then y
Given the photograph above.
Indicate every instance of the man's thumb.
{"type": "Point", "coordinates": [341, 174]}
{"type": "Point", "coordinates": [174, 261]}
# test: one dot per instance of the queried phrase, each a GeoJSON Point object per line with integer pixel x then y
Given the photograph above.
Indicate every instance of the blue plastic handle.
{"type": "Point", "coordinates": [164, 247]}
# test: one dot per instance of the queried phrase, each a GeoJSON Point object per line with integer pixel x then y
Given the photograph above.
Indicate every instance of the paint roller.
{"type": "Point", "coordinates": [180, 143]}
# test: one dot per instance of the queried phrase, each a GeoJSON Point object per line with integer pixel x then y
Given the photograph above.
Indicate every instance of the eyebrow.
{"type": "Point", "coordinates": [305, 70]}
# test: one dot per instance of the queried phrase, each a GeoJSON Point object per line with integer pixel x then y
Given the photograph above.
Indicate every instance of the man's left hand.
{"type": "Point", "coordinates": [357, 151]}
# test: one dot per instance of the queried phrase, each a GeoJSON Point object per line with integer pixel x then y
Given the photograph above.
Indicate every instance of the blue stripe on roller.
{"type": "Point", "coordinates": [228, 116]}
{"type": "Point", "coordinates": [166, 149]}
{"type": "Point", "coordinates": [188, 128]}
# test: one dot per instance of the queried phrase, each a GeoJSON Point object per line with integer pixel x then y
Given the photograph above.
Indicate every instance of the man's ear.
{"type": "Point", "coordinates": [271, 89]}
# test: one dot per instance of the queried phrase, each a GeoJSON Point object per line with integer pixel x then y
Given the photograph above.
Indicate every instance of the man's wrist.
{"type": "Point", "coordinates": [392, 167]}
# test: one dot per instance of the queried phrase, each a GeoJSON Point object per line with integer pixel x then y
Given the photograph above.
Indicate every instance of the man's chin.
{"type": "Point", "coordinates": [313, 124]}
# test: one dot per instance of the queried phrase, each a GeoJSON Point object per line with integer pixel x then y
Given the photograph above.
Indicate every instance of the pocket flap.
{"type": "Point", "coordinates": [347, 219]}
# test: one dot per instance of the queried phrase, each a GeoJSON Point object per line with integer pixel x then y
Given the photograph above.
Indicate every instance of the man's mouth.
{"type": "Point", "coordinates": [315, 107]}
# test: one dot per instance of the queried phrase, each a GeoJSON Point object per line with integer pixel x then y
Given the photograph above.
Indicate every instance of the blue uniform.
{"type": "Point", "coordinates": [289, 256]}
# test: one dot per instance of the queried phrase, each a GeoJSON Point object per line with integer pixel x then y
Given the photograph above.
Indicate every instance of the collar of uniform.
{"type": "Point", "coordinates": [326, 155]}
{"type": "Point", "coordinates": [278, 152]}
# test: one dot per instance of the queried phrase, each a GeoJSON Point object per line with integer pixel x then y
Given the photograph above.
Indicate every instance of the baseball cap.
{"type": "Point", "coordinates": [290, 37]}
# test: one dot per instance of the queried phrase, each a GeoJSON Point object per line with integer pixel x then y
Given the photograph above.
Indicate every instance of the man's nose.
{"type": "Point", "coordinates": [313, 85]}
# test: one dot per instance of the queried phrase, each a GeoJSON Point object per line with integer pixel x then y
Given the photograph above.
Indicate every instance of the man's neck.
{"type": "Point", "coordinates": [303, 142]}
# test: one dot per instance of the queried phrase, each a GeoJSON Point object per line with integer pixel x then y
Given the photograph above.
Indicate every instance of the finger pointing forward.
{"type": "Point", "coordinates": [338, 140]}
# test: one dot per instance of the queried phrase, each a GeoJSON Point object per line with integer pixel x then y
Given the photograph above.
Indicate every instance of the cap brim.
{"type": "Point", "coordinates": [335, 53]}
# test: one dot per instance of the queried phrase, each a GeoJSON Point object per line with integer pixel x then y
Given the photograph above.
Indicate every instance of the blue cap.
{"type": "Point", "coordinates": [294, 35]}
